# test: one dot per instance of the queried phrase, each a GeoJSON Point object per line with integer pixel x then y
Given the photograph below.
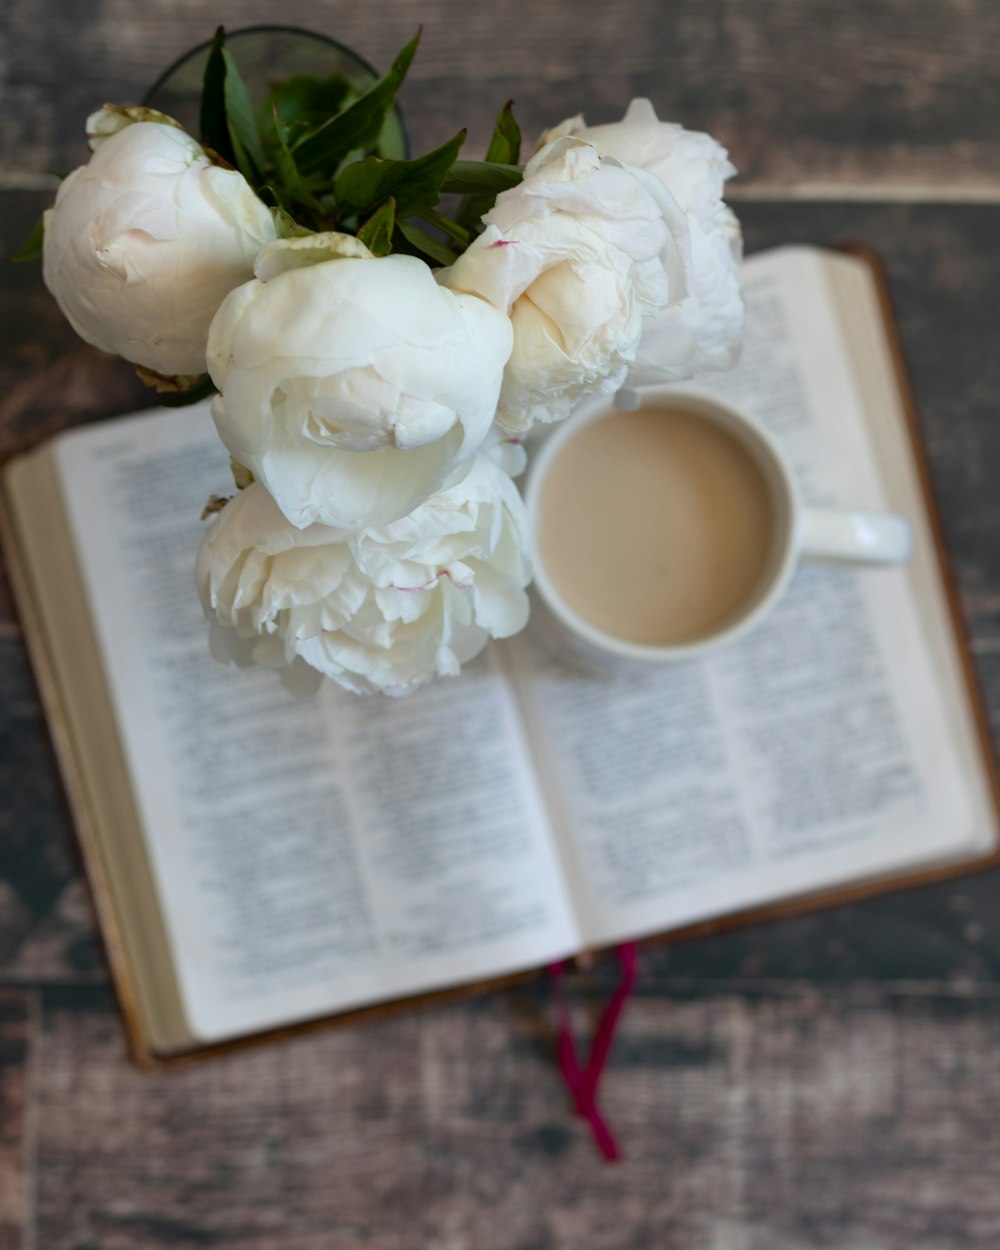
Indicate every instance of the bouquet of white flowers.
{"type": "Point", "coordinates": [374, 358]}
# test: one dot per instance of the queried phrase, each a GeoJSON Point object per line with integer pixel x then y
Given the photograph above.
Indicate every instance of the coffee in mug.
{"type": "Point", "coordinates": [656, 526]}
{"type": "Point", "coordinates": [661, 532]}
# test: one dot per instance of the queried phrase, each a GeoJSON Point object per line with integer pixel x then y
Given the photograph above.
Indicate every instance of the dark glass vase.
{"type": "Point", "coordinates": [265, 56]}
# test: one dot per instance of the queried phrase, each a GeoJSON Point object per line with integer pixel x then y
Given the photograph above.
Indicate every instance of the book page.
{"type": "Point", "coordinates": [822, 748]}
{"type": "Point", "coordinates": [311, 855]}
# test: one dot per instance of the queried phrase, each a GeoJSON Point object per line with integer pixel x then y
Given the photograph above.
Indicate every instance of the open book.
{"type": "Point", "coordinates": [260, 861]}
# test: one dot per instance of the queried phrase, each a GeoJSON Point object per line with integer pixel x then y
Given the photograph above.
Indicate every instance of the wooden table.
{"type": "Point", "coordinates": [831, 1081]}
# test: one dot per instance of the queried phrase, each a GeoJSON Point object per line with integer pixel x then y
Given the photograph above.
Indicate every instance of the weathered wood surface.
{"type": "Point", "coordinates": [830, 1081]}
{"type": "Point", "coordinates": [889, 94]}
{"type": "Point", "coordinates": [18, 1031]}
{"type": "Point", "coordinates": [776, 1121]}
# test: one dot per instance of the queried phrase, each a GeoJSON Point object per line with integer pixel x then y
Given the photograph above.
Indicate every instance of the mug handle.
{"type": "Point", "coordinates": [854, 537]}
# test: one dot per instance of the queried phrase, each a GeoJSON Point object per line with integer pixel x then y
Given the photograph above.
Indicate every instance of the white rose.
{"type": "Point", "coordinates": [385, 609]}
{"type": "Point", "coordinates": [576, 254]}
{"type": "Point", "coordinates": [690, 163]}
{"type": "Point", "coordinates": [701, 331]}
{"type": "Point", "coordinates": [146, 240]}
{"type": "Point", "coordinates": [353, 387]}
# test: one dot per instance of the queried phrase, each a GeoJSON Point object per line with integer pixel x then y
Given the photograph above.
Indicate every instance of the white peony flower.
{"type": "Point", "coordinates": [381, 610]}
{"type": "Point", "coordinates": [353, 387]}
{"type": "Point", "coordinates": [702, 330]}
{"type": "Point", "coordinates": [146, 240]}
{"type": "Point", "coordinates": [577, 253]}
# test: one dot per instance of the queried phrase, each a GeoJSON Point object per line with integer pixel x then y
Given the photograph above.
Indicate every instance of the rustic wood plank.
{"type": "Point", "coordinates": [46, 925]}
{"type": "Point", "coordinates": [893, 93]}
{"type": "Point", "coordinates": [772, 1122]}
{"type": "Point", "coordinates": [18, 1018]}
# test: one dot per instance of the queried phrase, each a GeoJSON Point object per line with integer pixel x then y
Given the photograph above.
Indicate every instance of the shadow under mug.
{"type": "Point", "coordinates": [799, 532]}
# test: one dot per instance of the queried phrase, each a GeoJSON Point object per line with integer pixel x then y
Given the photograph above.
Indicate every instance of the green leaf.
{"type": "Point", "coordinates": [31, 249]}
{"type": "Point", "coordinates": [359, 125]}
{"type": "Point", "coordinates": [451, 229]}
{"type": "Point", "coordinates": [181, 399]}
{"type": "Point", "coordinates": [289, 178]}
{"type": "Point", "coordinates": [212, 116]}
{"type": "Point", "coordinates": [286, 227]}
{"type": "Point", "coordinates": [415, 185]}
{"type": "Point", "coordinates": [307, 100]}
{"type": "Point", "coordinates": [481, 178]}
{"type": "Point", "coordinates": [504, 149]}
{"type": "Point", "coordinates": [423, 243]}
{"type": "Point", "coordinates": [376, 233]}
{"type": "Point", "coordinates": [242, 127]}
{"type": "Point", "coordinates": [505, 145]}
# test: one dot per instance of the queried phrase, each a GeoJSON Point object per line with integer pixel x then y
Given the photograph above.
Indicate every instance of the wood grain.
{"type": "Point", "coordinates": [18, 1017]}
{"type": "Point", "coordinates": [783, 1121]}
{"type": "Point", "coordinates": [45, 922]}
{"type": "Point", "coordinates": [889, 94]}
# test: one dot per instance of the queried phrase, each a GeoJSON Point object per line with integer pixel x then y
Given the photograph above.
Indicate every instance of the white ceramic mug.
{"type": "Point", "coordinates": [800, 532]}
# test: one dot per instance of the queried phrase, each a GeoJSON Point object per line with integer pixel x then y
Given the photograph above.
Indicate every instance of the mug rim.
{"type": "Point", "coordinates": [737, 422]}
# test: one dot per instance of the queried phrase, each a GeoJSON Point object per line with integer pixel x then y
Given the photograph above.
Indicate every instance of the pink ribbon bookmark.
{"type": "Point", "coordinates": [583, 1082]}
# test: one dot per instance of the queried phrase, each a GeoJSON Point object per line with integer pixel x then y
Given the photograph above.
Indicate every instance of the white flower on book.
{"type": "Point", "coordinates": [146, 240]}
{"type": "Point", "coordinates": [381, 610]}
{"type": "Point", "coordinates": [577, 253]}
{"type": "Point", "coordinates": [353, 387]}
{"type": "Point", "coordinates": [702, 330]}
